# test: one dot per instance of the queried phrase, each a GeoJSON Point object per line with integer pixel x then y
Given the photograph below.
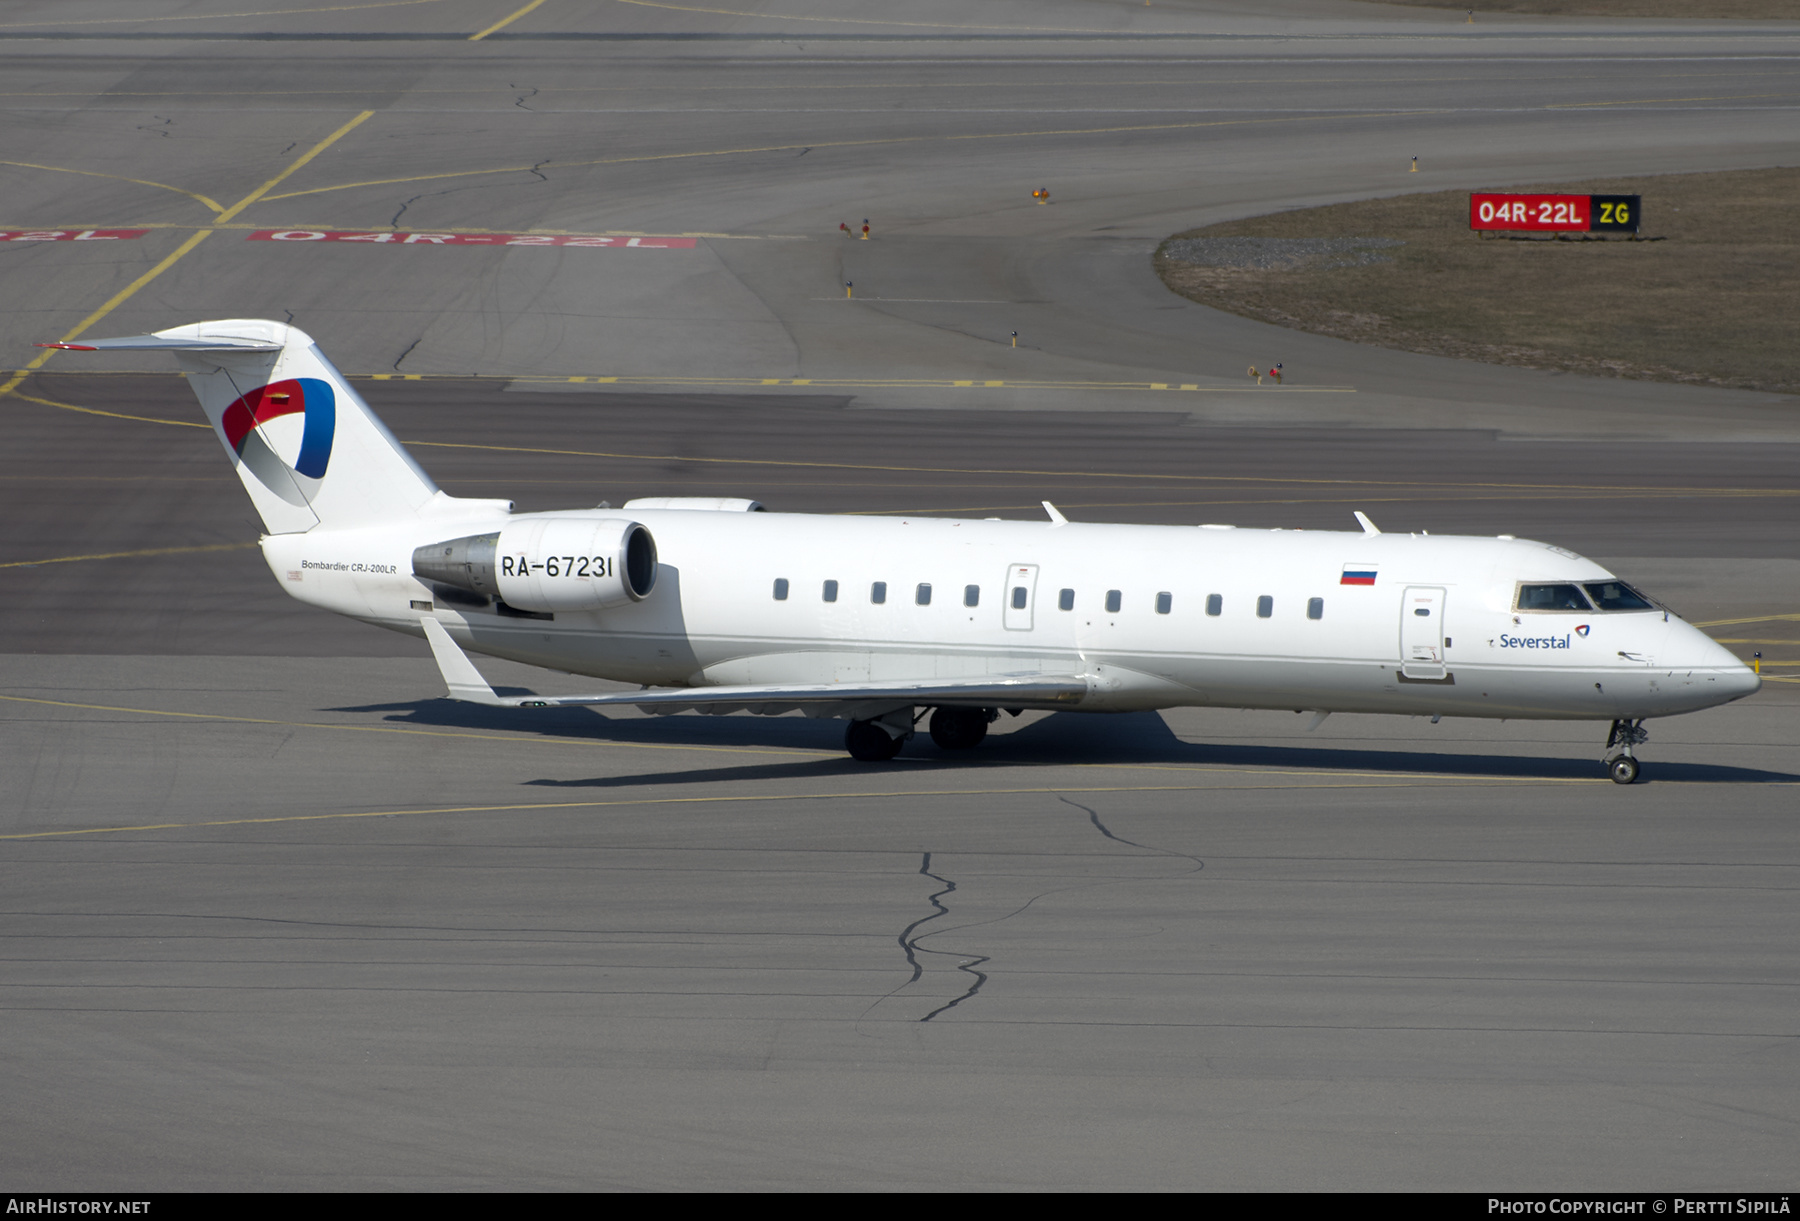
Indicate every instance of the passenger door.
{"type": "Point", "coordinates": [1019, 593]}
{"type": "Point", "coordinates": [1422, 632]}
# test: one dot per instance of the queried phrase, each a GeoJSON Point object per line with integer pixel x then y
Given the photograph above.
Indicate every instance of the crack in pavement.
{"type": "Point", "coordinates": [910, 944]}
{"type": "Point", "coordinates": [971, 964]}
{"type": "Point", "coordinates": [1101, 827]}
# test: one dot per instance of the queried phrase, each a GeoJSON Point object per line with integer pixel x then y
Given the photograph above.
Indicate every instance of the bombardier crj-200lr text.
{"type": "Point", "coordinates": [716, 606]}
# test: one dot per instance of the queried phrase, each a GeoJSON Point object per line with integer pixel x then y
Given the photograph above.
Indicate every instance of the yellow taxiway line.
{"type": "Point", "coordinates": [758, 798]}
{"type": "Point", "coordinates": [505, 21]}
{"type": "Point", "coordinates": [119, 298]}
{"type": "Point", "coordinates": [260, 15]}
{"type": "Point", "coordinates": [120, 555]}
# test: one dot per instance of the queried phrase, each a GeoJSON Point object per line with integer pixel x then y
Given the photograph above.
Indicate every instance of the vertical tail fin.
{"type": "Point", "coordinates": [308, 449]}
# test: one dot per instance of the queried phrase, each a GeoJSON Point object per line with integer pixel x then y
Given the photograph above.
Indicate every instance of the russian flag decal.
{"type": "Point", "coordinates": [1358, 574]}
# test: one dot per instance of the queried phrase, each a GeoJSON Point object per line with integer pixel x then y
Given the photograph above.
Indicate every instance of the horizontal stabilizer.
{"type": "Point", "coordinates": [161, 343]}
{"type": "Point", "coordinates": [307, 448]}
{"type": "Point", "coordinates": [466, 683]}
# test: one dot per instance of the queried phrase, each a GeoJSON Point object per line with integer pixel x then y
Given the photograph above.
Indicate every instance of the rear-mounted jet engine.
{"type": "Point", "coordinates": [548, 564]}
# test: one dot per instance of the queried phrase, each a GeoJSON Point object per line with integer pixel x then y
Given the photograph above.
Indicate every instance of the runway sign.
{"type": "Point", "coordinates": [71, 235]}
{"type": "Point", "coordinates": [472, 239]}
{"type": "Point", "coordinates": [1556, 213]}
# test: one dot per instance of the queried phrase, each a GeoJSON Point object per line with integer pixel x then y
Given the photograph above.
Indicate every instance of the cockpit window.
{"type": "Point", "coordinates": [1617, 596]}
{"type": "Point", "coordinates": [1552, 598]}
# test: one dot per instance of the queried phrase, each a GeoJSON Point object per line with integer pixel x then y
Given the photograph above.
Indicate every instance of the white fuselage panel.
{"type": "Point", "coordinates": [1155, 616]}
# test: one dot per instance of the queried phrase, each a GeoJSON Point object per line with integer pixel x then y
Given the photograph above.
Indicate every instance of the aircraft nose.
{"type": "Point", "coordinates": [1732, 677]}
{"type": "Point", "coordinates": [1740, 682]}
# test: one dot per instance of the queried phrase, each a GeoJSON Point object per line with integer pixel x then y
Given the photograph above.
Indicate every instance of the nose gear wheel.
{"type": "Point", "coordinates": [1619, 762]}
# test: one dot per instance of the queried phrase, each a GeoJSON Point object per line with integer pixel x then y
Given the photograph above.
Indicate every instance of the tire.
{"type": "Point", "coordinates": [1623, 770]}
{"type": "Point", "coordinates": [868, 742]}
{"type": "Point", "coordinates": [959, 728]}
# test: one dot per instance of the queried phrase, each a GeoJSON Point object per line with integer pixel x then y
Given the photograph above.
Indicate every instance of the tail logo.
{"type": "Point", "coordinates": [307, 395]}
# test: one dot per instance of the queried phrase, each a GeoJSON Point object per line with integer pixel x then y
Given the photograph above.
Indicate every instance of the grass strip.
{"type": "Point", "coordinates": [1709, 300]}
{"type": "Point", "coordinates": [1705, 10]}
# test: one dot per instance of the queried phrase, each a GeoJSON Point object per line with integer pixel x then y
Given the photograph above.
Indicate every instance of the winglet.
{"type": "Point", "coordinates": [1368, 526]}
{"type": "Point", "coordinates": [460, 675]}
{"type": "Point", "coordinates": [1056, 517]}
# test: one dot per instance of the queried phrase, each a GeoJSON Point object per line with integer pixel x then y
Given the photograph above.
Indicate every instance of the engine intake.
{"type": "Point", "coordinates": [548, 564]}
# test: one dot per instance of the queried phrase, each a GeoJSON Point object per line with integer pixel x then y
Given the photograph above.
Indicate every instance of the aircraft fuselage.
{"type": "Point", "coordinates": [1153, 616]}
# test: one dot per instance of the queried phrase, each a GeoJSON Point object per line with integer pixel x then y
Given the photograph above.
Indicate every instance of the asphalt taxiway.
{"type": "Point", "coordinates": [278, 915]}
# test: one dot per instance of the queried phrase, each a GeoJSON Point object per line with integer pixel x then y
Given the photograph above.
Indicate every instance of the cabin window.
{"type": "Point", "coordinates": [1066, 600]}
{"type": "Point", "coordinates": [781, 588]}
{"type": "Point", "coordinates": [1165, 602]}
{"type": "Point", "coordinates": [922, 595]}
{"type": "Point", "coordinates": [878, 592]}
{"type": "Point", "coordinates": [1616, 595]}
{"type": "Point", "coordinates": [831, 591]}
{"type": "Point", "coordinates": [1315, 608]}
{"type": "Point", "coordinates": [971, 595]}
{"type": "Point", "coordinates": [1215, 605]}
{"type": "Point", "coordinates": [1019, 597]}
{"type": "Point", "coordinates": [1552, 598]}
{"type": "Point", "coordinates": [1113, 601]}
{"type": "Point", "coordinates": [1265, 606]}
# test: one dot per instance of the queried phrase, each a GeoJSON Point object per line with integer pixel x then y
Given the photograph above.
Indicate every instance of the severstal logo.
{"type": "Point", "coordinates": [307, 396]}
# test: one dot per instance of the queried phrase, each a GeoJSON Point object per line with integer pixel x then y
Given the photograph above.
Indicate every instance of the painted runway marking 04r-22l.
{"type": "Point", "coordinates": [71, 235]}
{"type": "Point", "coordinates": [619, 242]}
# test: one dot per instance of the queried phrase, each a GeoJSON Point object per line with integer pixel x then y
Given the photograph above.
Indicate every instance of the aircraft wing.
{"type": "Point", "coordinates": [465, 683]}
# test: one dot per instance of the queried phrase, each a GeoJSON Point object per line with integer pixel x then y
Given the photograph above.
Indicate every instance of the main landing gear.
{"type": "Point", "coordinates": [879, 740]}
{"type": "Point", "coordinates": [961, 728]}
{"type": "Point", "coordinates": [874, 741]}
{"type": "Point", "coordinates": [1625, 734]}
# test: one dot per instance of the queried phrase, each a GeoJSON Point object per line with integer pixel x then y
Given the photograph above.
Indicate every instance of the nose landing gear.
{"type": "Point", "coordinates": [1619, 763]}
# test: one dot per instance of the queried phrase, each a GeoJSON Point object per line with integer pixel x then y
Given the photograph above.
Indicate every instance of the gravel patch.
{"type": "Point", "coordinates": [1280, 253]}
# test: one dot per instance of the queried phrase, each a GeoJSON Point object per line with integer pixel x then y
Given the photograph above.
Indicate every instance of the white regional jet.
{"type": "Point", "coordinates": [717, 606]}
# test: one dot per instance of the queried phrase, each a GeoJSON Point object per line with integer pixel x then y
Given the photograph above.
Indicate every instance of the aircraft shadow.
{"type": "Point", "coordinates": [683, 730]}
{"type": "Point", "coordinates": [1146, 738]}
{"type": "Point", "coordinates": [1056, 740]}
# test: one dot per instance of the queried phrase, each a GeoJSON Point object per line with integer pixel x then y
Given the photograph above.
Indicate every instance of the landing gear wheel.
{"type": "Point", "coordinates": [959, 728]}
{"type": "Point", "coordinates": [868, 742]}
{"type": "Point", "coordinates": [1625, 734]}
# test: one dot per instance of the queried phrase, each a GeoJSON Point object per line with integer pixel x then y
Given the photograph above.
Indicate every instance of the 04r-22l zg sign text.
{"type": "Point", "coordinates": [1556, 213]}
